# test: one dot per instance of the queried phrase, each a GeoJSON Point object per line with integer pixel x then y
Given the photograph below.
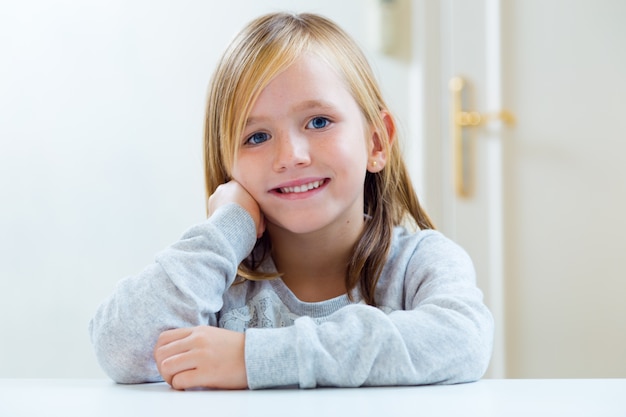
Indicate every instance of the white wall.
{"type": "Point", "coordinates": [101, 108]}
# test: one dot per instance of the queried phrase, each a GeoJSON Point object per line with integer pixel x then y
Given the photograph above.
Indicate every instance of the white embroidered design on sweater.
{"type": "Point", "coordinates": [264, 310]}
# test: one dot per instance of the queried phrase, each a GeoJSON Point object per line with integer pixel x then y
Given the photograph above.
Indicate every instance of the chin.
{"type": "Point", "coordinates": [300, 224]}
{"type": "Point", "coordinates": [297, 229]}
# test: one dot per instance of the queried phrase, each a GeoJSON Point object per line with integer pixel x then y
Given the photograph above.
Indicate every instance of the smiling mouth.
{"type": "Point", "coordinates": [301, 188]}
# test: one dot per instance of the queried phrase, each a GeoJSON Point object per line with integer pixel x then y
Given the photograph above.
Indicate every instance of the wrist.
{"type": "Point", "coordinates": [238, 226]}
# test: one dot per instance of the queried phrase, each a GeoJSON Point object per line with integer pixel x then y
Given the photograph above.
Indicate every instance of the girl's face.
{"type": "Point", "coordinates": [305, 151]}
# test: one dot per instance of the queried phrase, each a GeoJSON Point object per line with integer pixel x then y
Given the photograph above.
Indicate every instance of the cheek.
{"type": "Point", "coordinates": [244, 173]}
{"type": "Point", "coordinates": [240, 168]}
{"type": "Point", "coordinates": [238, 174]}
{"type": "Point", "coordinates": [353, 152]}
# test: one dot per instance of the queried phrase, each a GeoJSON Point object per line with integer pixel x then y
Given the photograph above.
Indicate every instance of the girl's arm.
{"type": "Point", "coordinates": [182, 288]}
{"type": "Point", "coordinates": [439, 332]}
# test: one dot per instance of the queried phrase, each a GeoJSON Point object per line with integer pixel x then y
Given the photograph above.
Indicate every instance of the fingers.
{"type": "Point", "coordinates": [170, 343]}
{"type": "Point", "coordinates": [169, 353]}
{"type": "Point", "coordinates": [202, 356]}
{"type": "Point", "coordinates": [184, 380]}
{"type": "Point", "coordinates": [174, 367]}
{"type": "Point", "coordinates": [169, 336]}
{"type": "Point", "coordinates": [231, 192]}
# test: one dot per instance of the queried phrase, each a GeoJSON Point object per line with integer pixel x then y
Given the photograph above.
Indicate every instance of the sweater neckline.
{"type": "Point", "coordinates": [312, 309]}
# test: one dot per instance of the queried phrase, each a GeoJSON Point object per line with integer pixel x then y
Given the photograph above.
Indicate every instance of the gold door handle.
{"type": "Point", "coordinates": [462, 119]}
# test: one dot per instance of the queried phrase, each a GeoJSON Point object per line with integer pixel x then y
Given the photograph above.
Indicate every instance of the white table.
{"type": "Point", "coordinates": [489, 397]}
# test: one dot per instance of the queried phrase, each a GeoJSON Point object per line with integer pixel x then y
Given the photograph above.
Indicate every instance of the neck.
{"type": "Point", "coordinates": [314, 265]}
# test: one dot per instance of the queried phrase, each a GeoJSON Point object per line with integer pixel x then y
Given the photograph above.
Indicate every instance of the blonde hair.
{"type": "Point", "coordinates": [264, 48]}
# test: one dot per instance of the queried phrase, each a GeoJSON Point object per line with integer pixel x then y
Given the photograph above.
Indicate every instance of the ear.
{"type": "Point", "coordinates": [380, 143]}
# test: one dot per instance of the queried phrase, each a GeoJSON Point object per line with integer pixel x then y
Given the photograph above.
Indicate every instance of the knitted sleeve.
{"type": "Point", "coordinates": [182, 288]}
{"type": "Point", "coordinates": [432, 327]}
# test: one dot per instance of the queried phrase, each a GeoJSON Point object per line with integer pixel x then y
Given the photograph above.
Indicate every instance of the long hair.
{"type": "Point", "coordinates": [264, 48]}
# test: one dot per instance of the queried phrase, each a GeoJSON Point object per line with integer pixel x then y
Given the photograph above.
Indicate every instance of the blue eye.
{"type": "Point", "coordinates": [318, 123]}
{"type": "Point", "coordinates": [257, 138]}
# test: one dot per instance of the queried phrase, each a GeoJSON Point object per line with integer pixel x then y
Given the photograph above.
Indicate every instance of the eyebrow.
{"type": "Point", "coordinates": [305, 105]}
{"type": "Point", "coordinates": [313, 104]}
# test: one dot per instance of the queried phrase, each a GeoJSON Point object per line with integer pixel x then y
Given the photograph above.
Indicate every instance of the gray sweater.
{"type": "Point", "coordinates": [431, 325]}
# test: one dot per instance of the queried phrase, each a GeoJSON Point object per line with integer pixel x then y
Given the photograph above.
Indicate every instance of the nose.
{"type": "Point", "coordinates": [292, 150]}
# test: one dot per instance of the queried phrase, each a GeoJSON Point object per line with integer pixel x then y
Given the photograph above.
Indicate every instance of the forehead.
{"type": "Point", "coordinates": [308, 82]}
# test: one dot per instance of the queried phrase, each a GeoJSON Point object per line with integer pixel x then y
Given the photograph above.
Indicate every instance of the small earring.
{"type": "Point", "coordinates": [374, 163]}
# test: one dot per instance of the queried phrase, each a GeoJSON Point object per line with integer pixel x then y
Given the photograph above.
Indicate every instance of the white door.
{"type": "Point", "coordinates": [544, 214]}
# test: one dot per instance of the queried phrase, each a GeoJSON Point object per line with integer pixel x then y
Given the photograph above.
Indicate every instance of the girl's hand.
{"type": "Point", "coordinates": [203, 356]}
{"type": "Point", "coordinates": [233, 192]}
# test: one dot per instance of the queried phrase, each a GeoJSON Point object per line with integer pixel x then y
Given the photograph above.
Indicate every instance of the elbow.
{"type": "Point", "coordinates": [127, 367]}
{"type": "Point", "coordinates": [122, 360]}
{"type": "Point", "coordinates": [484, 341]}
{"type": "Point", "coordinates": [464, 348]}
{"type": "Point", "coordinates": [473, 362]}
{"type": "Point", "coordinates": [476, 365]}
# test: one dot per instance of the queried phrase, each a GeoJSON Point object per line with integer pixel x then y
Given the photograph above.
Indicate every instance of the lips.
{"type": "Point", "coordinates": [300, 187]}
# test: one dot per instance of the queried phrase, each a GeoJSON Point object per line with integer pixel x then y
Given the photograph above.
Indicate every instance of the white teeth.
{"type": "Point", "coordinates": [301, 188]}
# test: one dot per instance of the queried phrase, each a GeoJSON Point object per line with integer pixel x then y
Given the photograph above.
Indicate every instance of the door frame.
{"type": "Point", "coordinates": [440, 31]}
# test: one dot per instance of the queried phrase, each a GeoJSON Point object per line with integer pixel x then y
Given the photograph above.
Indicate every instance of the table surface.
{"type": "Point", "coordinates": [485, 398]}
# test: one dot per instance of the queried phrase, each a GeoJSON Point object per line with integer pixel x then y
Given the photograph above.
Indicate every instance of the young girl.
{"type": "Point", "coordinates": [305, 272]}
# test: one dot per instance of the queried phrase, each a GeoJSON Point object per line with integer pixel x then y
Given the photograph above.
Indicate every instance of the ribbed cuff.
{"type": "Point", "coordinates": [271, 358]}
{"type": "Point", "coordinates": [237, 226]}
